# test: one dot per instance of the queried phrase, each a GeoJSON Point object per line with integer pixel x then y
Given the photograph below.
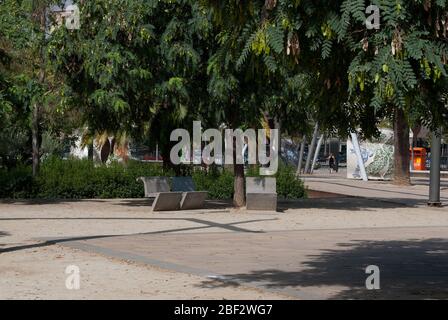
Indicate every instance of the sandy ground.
{"type": "Point", "coordinates": [40, 274]}
{"type": "Point", "coordinates": [31, 271]}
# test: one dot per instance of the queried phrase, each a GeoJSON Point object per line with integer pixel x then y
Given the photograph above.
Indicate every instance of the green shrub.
{"type": "Point", "coordinates": [76, 179]}
{"type": "Point", "coordinates": [82, 179]}
{"type": "Point", "coordinates": [218, 184]}
{"type": "Point", "coordinates": [16, 183]}
{"type": "Point", "coordinates": [288, 185]}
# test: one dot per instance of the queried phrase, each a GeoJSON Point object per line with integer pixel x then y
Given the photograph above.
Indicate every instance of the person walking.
{"type": "Point", "coordinates": [336, 163]}
{"type": "Point", "coordinates": [331, 162]}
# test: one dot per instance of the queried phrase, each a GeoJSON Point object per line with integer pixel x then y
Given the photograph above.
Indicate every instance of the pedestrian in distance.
{"type": "Point", "coordinates": [331, 162]}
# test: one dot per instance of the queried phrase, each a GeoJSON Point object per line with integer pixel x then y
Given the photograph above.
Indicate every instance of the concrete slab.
{"type": "Point", "coordinates": [261, 194]}
{"type": "Point", "coordinates": [193, 200]}
{"type": "Point", "coordinates": [304, 264]}
{"type": "Point", "coordinates": [261, 201]}
{"type": "Point", "coordinates": [167, 201]}
{"type": "Point", "coordinates": [154, 185]}
{"type": "Point", "coordinates": [261, 185]}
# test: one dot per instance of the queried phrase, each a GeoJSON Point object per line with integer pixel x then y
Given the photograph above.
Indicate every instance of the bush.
{"type": "Point", "coordinates": [16, 183]}
{"type": "Point", "coordinates": [218, 184]}
{"type": "Point", "coordinates": [82, 179]}
{"type": "Point", "coordinates": [288, 185]}
{"type": "Point", "coordinates": [77, 179]}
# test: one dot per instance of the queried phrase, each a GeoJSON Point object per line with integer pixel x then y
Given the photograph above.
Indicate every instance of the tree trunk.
{"type": "Point", "coordinates": [239, 196]}
{"type": "Point", "coordinates": [166, 163]}
{"type": "Point", "coordinates": [311, 149]}
{"type": "Point", "coordinates": [90, 151]}
{"type": "Point", "coordinates": [302, 150]}
{"type": "Point", "coordinates": [239, 199]}
{"type": "Point", "coordinates": [401, 149]}
{"type": "Point", "coordinates": [35, 139]}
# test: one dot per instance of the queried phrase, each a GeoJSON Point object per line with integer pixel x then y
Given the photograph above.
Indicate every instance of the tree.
{"type": "Point", "coordinates": [135, 66]}
{"type": "Point", "coordinates": [398, 70]}
{"type": "Point", "coordinates": [271, 57]}
{"type": "Point", "coordinates": [359, 76]}
{"type": "Point", "coordinates": [246, 83]}
{"type": "Point", "coordinates": [23, 37]}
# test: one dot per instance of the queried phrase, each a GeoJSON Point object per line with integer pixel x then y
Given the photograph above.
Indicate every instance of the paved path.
{"type": "Point", "coordinates": [416, 195]}
{"type": "Point", "coordinates": [304, 264]}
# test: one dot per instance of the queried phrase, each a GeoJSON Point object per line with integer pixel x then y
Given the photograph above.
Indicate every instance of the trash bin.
{"type": "Point", "coordinates": [419, 159]}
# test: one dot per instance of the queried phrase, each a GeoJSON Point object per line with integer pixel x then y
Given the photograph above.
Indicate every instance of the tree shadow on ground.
{"type": "Point", "coordinates": [36, 202]}
{"type": "Point", "coordinates": [333, 202]}
{"type": "Point", "coordinates": [4, 234]}
{"type": "Point", "coordinates": [344, 203]}
{"type": "Point", "coordinates": [201, 224]}
{"type": "Point", "coordinates": [137, 202]}
{"type": "Point", "coordinates": [147, 202]}
{"type": "Point", "coordinates": [143, 202]}
{"type": "Point", "coordinates": [411, 269]}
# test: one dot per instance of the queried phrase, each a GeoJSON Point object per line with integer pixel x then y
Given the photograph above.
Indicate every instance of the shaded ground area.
{"type": "Point", "coordinates": [318, 264]}
{"type": "Point", "coordinates": [409, 270]}
{"type": "Point", "coordinates": [416, 195]}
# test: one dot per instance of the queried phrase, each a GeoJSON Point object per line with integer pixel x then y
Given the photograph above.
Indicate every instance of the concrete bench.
{"type": "Point", "coordinates": [155, 185]}
{"type": "Point", "coordinates": [261, 194]}
{"type": "Point", "coordinates": [159, 188]}
{"type": "Point", "coordinates": [191, 199]}
{"type": "Point", "coordinates": [167, 201]}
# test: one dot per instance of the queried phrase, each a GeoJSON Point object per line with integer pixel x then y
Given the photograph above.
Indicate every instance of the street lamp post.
{"type": "Point", "coordinates": [434, 184]}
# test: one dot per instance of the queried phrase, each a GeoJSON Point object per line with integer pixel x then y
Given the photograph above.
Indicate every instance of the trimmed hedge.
{"type": "Point", "coordinates": [82, 179]}
{"type": "Point", "coordinates": [77, 179]}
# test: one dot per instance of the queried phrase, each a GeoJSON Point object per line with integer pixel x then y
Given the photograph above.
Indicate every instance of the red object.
{"type": "Point", "coordinates": [419, 158]}
{"type": "Point", "coordinates": [148, 157]}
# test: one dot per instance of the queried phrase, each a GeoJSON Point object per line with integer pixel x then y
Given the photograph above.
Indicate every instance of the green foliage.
{"type": "Point", "coordinates": [356, 76]}
{"type": "Point", "coordinates": [218, 184]}
{"type": "Point", "coordinates": [16, 182]}
{"type": "Point", "coordinates": [288, 185]}
{"type": "Point", "coordinates": [403, 63]}
{"type": "Point", "coordinates": [77, 179]}
{"type": "Point", "coordinates": [81, 179]}
{"type": "Point", "coordinates": [148, 67]}
{"type": "Point", "coordinates": [26, 81]}
{"type": "Point", "coordinates": [135, 66]}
